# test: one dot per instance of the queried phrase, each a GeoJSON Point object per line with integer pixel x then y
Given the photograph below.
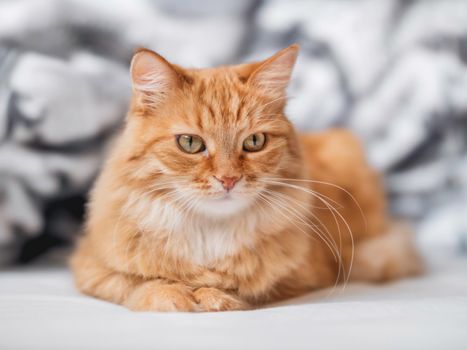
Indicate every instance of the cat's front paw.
{"type": "Point", "coordinates": [212, 299]}
{"type": "Point", "coordinates": [155, 296]}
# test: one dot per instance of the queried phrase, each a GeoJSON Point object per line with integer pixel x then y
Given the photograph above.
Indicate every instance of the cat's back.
{"type": "Point", "coordinates": [335, 152]}
{"type": "Point", "coordinates": [337, 163]}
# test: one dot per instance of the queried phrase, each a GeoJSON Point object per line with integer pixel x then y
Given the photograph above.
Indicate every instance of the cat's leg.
{"type": "Point", "coordinates": [151, 295]}
{"type": "Point", "coordinates": [385, 257]}
{"type": "Point", "coordinates": [95, 279]}
{"type": "Point", "coordinates": [213, 299]}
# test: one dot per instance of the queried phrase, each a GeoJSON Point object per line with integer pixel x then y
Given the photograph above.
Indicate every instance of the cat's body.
{"type": "Point", "coordinates": [237, 221]}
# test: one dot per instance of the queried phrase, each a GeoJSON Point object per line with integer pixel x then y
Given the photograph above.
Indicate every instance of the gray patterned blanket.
{"type": "Point", "coordinates": [395, 72]}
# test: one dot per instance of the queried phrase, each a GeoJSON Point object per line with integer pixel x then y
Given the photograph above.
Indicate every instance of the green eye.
{"type": "Point", "coordinates": [190, 143]}
{"type": "Point", "coordinates": [254, 142]}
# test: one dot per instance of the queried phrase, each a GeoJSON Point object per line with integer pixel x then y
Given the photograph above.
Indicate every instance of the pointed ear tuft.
{"type": "Point", "coordinates": [273, 75]}
{"type": "Point", "coordinates": [152, 75]}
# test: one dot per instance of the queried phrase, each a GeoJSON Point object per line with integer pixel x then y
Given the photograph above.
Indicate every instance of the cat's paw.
{"type": "Point", "coordinates": [212, 299]}
{"type": "Point", "coordinates": [155, 296]}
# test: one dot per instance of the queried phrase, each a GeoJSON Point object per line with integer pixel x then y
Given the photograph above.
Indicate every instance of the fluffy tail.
{"type": "Point", "coordinates": [390, 256]}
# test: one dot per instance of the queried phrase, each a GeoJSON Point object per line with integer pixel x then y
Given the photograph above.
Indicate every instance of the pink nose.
{"type": "Point", "coordinates": [228, 182]}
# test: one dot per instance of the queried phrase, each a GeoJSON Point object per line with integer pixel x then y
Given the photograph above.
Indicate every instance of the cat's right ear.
{"type": "Point", "coordinates": [272, 76]}
{"type": "Point", "coordinates": [152, 75]}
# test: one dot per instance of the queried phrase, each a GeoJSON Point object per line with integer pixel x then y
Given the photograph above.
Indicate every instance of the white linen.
{"type": "Point", "coordinates": [39, 309]}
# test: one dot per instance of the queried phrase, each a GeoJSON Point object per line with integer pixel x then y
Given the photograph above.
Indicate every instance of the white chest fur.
{"type": "Point", "coordinates": [190, 236]}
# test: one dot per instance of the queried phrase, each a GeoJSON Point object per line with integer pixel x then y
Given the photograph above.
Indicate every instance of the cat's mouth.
{"type": "Point", "coordinates": [225, 196]}
{"type": "Point", "coordinates": [224, 203]}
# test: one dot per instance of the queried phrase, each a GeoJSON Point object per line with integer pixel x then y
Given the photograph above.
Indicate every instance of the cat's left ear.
{"type": "Point", "coordinates": [273, 75]}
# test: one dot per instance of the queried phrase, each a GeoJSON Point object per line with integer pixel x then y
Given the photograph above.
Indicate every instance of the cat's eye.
{"type": "Point", "coordinates": [190, 143]}
{"type": "Point", "coordinates": [254, 142]}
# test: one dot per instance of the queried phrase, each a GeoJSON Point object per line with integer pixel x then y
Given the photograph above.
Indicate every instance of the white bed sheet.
{"type": "Point", "coordinates": [39, 309]}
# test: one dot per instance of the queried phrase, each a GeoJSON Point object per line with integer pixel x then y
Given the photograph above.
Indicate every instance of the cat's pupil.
{"type": "Point", "coordinates": [254, 139]}
{"type": "Point", "coordinates": [190, 141]}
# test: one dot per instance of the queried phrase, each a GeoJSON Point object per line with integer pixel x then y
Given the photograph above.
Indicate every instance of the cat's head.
{"type": "Point", "coordinates": [210, 139]}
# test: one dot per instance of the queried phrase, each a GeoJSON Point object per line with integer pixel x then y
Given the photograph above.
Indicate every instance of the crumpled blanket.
{"type": "Point", "coordinates": [394, 72]}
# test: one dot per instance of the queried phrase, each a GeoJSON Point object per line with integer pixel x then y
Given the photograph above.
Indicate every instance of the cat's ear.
{"type": "Point", "coordinates": [273, 74]}
{"type": "Point", "coordinates": [152, 75]}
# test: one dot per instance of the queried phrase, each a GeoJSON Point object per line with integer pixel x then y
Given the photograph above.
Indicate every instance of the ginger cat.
{"type": "Point", "coordinates": [211, 201]}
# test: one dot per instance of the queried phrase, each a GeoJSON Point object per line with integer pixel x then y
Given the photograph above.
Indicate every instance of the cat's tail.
{"type": "Point", "coordinates": [386, 257]}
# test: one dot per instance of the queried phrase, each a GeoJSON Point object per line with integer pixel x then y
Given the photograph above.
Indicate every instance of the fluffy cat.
{"type": "Point", "coordinates": [210, 200]}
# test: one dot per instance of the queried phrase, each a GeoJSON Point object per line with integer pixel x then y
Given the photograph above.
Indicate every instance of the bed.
{"type": "Point", "coordinates": [39, 309]}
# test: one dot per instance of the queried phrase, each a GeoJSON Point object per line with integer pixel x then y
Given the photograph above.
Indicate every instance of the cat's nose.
{"type": "Point", "coordinates": [228, 182]}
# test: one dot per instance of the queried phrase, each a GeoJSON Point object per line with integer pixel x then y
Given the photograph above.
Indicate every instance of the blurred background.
{"type": "Point", "coordinates": [394, 72]}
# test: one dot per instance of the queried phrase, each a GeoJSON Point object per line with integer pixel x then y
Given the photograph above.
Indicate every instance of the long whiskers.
{"type": "Point", "coordinates": [304, 189]}
{"type": "Point", "coordinates": [338, 251]}
{"type": "Point", "coordinates": [335, 213]}
{"type": "Point", "coordinates": [299, 217]}
{"type": "Point", "coordinates": [332, 185]}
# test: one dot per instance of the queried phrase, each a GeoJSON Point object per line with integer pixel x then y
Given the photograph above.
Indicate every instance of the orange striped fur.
{"type": "Point", "coordinates": [162, 234]}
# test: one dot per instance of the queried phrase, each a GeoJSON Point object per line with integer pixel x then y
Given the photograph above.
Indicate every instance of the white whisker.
{"type": "Point", "coordinates": [294, 214]}
{"type": "Point", "coordinates": [333, 210]}
{"type": "Point", "coordinates": [338, 251]}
